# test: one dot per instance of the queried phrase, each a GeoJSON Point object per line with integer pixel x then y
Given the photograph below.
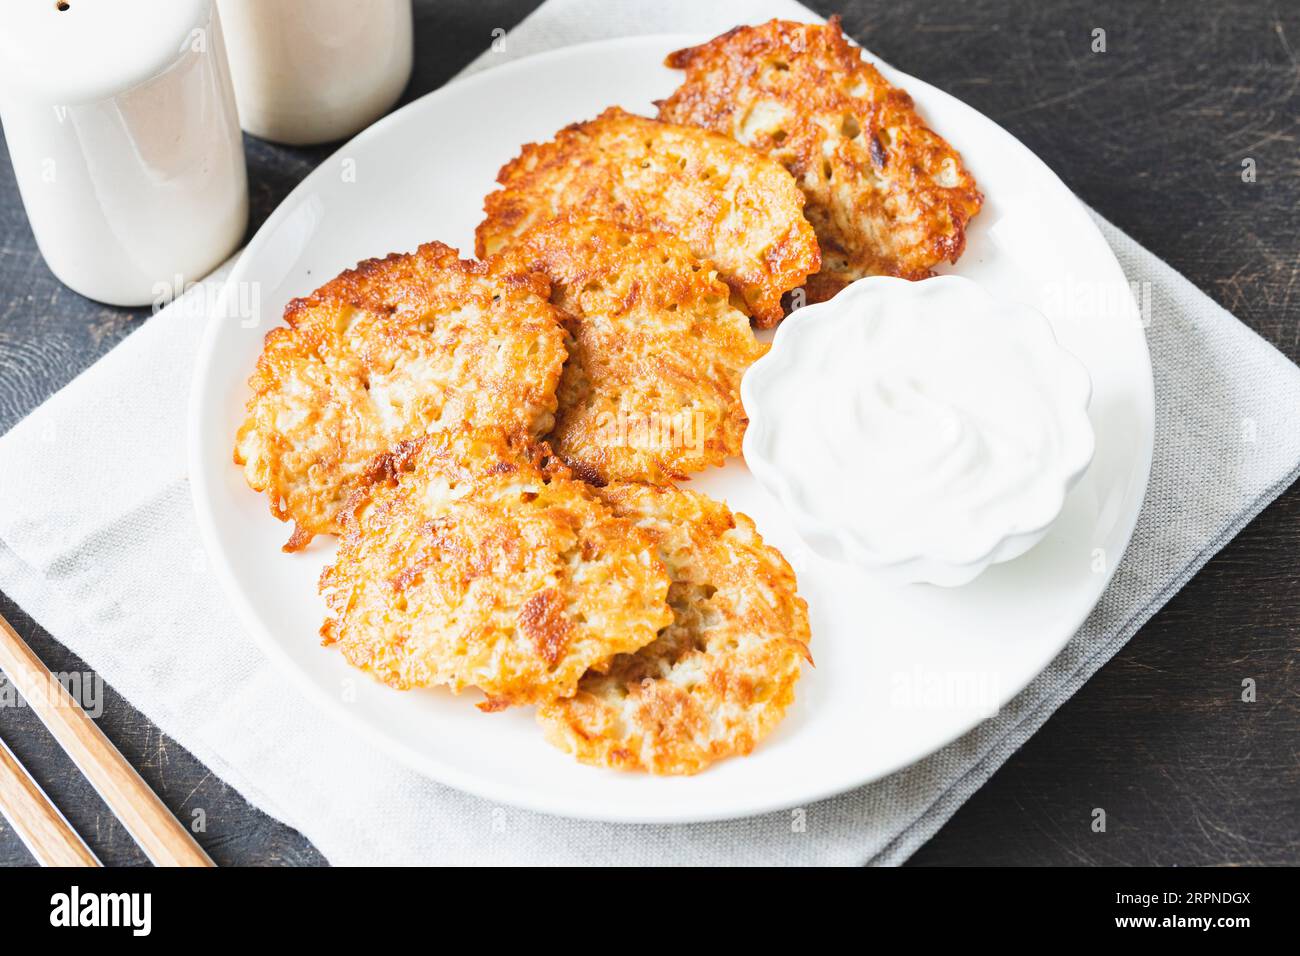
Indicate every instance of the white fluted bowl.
{"type": "Point", "coordinates": [805, 353]}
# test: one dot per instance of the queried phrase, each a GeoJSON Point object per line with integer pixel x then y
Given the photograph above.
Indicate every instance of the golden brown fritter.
{"type": "Point", "coordinates": [716, 681]}
{"type": "Point", "coordinates": [727, 203]}
{"type": "Point", "coordinates": [480, 563]}
{"type": "Point", "coordinates": [651, 388]}
{"type": "Point", "coordinates": [886, 194]}
{"type": "Point", "coordinates": [389, 351]}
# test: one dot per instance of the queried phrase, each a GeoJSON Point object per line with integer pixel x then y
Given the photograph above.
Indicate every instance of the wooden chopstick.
{"type": "Point", "coordinates": [39, 824]}
{"type": "Point", "coordinates": [145, 817]}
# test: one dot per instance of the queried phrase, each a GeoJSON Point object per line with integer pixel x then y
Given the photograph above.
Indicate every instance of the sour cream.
{"type": "Point", "coordinates": [922, 428]}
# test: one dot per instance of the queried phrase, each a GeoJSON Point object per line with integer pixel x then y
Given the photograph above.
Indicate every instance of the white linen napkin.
{"type": "Point", "coordinates": [98, 544]}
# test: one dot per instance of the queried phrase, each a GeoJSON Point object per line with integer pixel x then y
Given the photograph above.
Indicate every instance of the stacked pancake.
{"type": "Point", "coordinates": [497, 442]}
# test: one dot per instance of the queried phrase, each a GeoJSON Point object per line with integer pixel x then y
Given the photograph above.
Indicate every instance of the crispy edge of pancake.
{"type": "Point", "coordinates": [380, 288]}
{"type": "Point", "coordinates": [651, 389]}
{"type": "Point", "coordinates": [782, 264]}
{"type": "Point", "coordinates": [717, 680]}
{"type": "Point", "coordinates": [722, 75]}
{"type": "Point", "coordinates": [480, 561]}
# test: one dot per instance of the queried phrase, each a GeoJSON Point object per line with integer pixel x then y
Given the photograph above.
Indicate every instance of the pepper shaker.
{"type": "Point", "coordinates": [121, 123]}
{"type": "Point", "coordinates": [314, 71]}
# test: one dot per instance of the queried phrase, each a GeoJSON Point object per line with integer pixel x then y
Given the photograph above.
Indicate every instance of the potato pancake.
{"type": "Point", "coordinates": [651, 388]}
{"type": "Point", "coordinates": [729, 204]}
{"type": "Point", "coordinates": [389, 351]}
{"type": "Point", "coordinates": [480, 563]}
{"type": "Point", "coordinates": [721, 676]}
{"type": "Point", "coordinates": [886, 195]}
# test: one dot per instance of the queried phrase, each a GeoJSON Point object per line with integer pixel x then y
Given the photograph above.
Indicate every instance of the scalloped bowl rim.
{"type": "Point", "coordinates": [841, 542]}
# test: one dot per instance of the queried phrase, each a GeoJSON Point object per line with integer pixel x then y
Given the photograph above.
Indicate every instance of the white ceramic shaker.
{"type": "Point", "coordinates": [121, 124]}
{"type": "Point", "coordinates": [313, 71]}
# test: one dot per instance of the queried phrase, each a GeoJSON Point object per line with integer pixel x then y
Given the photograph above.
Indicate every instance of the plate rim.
{"type": "Point", "coordinates": [449, 774]}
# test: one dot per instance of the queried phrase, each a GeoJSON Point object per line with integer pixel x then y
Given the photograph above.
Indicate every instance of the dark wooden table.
{"type": "Point", "coordinates": [1152, 133]}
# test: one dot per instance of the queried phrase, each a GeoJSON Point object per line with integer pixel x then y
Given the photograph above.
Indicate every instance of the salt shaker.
{"type": "Point", "coordinates": [313, 71]}
{"type": "Point", "coordinates": [121, 124]}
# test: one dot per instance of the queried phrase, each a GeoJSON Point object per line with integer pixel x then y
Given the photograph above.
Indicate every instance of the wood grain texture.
{"type": "Point", "coordinates": [1150, 133]}
{"type": "Point", "coordinates": [37, 822]}
{"type": "Point", "coordinates": [146, 818]}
